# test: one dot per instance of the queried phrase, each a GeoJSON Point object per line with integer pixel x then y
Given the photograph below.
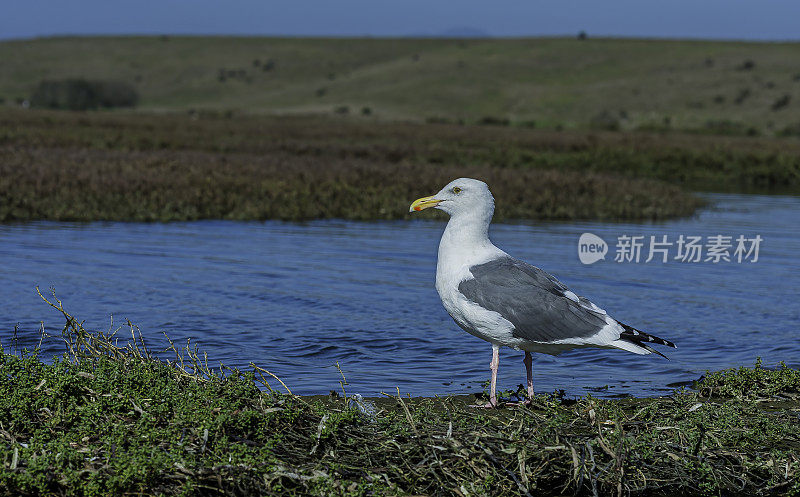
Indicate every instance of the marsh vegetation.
{"type": "Point", "coordinates": [101, 166]}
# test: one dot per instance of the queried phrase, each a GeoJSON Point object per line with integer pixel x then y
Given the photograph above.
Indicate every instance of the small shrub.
{"type": "Point", "coordinates": [342, 109]}
{"type": "Point", "coordinates": [582, 35]}
{"type": "Point", "coordinates": [366, 111]}
{"type": "Point", "coordinates": [743, 95]}
{"type": "Point", "coordinates": [709, 62]}
{"type": "Point", "coordinates": [781, 102]}
{"type": "Point", "coordinates": [747, 65]}
{"type": "Point", "coordinates": [81, 94]}
{"type": "Point", "coordinates": [494, 121]}
{"type": "Point", "coordinates": [321, 92]}
{"type": "Point", "coordinates": [719, 99]}
{"type": "Point", "coordinates": [605, 121]}
{"type": "Point", "coordinates": [269, 65]}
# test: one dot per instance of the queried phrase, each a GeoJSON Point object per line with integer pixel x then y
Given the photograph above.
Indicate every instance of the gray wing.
{"type": "Point", "coordinates": [540, 307]}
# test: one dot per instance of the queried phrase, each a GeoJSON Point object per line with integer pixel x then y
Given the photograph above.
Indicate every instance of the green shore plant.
{"type": "Point", "coordinates": [113, 417]}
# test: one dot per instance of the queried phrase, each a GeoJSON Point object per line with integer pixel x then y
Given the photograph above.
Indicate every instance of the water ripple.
{"type": "Point", "coordinates": [297, 298]}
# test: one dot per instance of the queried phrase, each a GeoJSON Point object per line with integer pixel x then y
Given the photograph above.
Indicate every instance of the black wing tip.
{"type": "Point", "coordinates": [652, 350]}
{"type": "Point", "coordinates": [643, 339]}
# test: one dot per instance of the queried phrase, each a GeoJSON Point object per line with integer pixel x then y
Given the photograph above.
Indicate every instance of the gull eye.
{"type": "Point", "coordinates": [456, 190]}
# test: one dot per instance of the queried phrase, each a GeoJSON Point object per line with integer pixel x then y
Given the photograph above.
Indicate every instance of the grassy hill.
{"type": "Point", "coordinates": [711, 86]}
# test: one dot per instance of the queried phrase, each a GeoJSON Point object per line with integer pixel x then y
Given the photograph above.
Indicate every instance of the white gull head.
{"type": "Point", "coordinates": [461, 197]}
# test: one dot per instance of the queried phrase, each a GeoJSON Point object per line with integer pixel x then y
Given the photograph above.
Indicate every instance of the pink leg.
{"type": "Point", "coordinates": [494, 365]}
{"type": "Point", "coordinates": [529, 368]}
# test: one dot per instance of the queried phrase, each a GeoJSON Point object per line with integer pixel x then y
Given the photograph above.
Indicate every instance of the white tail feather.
{"type": "Point", "coordinates": [630, 347]}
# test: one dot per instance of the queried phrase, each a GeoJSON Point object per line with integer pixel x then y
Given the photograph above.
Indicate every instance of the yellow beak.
{"type": "Point", "coordinates": [423, 203]}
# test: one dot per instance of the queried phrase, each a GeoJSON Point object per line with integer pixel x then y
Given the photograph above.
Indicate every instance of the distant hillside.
{"type": "Point", "coordinates": [728, 87]}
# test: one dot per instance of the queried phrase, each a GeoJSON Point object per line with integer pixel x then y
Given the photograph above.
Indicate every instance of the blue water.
{"type": "Point", "coordinates": [297, 298]}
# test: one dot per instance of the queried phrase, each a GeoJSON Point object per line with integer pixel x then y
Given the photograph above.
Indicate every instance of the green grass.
{"type": "Point", "coordinates": [689, 85]}
{"type": "Point", "coordinates": [111, 418]}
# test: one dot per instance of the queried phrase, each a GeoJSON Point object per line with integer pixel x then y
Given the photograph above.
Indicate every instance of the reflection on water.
{"type": "Point", "coordinates": [296, 298]}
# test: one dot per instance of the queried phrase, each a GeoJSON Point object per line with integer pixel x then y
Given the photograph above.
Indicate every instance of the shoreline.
{"type": "Point", "coordinates": [109, 418]}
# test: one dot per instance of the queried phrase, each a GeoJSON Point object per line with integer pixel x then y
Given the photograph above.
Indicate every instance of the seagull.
{"type": "Point", "coordinates": [508, 302]}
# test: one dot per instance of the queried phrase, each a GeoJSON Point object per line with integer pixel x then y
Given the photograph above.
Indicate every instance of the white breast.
{"type": "Point", "coordinates": [453, 268]}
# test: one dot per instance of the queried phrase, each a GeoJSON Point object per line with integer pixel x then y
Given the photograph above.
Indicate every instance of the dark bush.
{"type": "Point", "coordinates": [366, 111]}
{"type": "Point", "coordinates": [747, 65]}
{"type": "Point", "coordinates": [742, 96]}
{"type": "Point", "coordinates": [494, 121]}
{"type": "Point", "coordinates": [781, 102]}
{"type": "Point", "coordinates": [268, 65]}
{"type": "Point", "coordinates": [81, 94]}
{"type": "Point", "coordinates": [582, 35]}
{"type": "Point", "coordinates": [605, 121]}
{"type": "Point", "coordinates": [342, 109]}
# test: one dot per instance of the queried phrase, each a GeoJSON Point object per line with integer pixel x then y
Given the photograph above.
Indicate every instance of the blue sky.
{"type": "Point", "coordinates": [719, 19]}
